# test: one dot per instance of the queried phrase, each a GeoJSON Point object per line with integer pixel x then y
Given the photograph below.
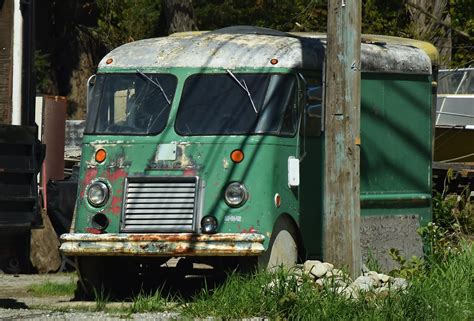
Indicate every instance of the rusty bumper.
{"type": "Point", "coordinates": [180, 244]}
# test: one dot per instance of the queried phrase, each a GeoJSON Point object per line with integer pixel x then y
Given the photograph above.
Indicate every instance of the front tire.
{"type": "Point", "coordinates": [282, 249]}
{"type": "Point", "coordinates": [91, 271]}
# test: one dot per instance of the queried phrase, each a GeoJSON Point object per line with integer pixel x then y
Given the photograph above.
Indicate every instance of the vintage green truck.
{"type": "Point", "coordinates": [209, 146]}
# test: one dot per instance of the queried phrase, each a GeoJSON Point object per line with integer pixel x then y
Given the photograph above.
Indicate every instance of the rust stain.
{"type": "Point", "coordinates": [90, 174]}
{"type": "Point", "coordinates": [116, 205]}
{"type": "Point", "coordinates": [182, 244]}
{"type": "Point", "coordinates": [189, 172]}
{"type": "Point", "coordinates": [113, 175]}
{"type": "Point", "coordinates": [93, 230]}
{"type": "Point", "coordinates": [250, 230]}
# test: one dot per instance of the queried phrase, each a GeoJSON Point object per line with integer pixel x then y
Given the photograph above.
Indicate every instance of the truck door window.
{"type": "Point", "coordinates": [314, 107]}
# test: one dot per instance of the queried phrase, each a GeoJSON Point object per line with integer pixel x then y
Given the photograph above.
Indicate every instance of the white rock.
{"type": "Point", "coordinates": [374, 275]}
{"type": "Point", "coordinates": [337, 272]}
{"type": "Point", "coordinates": [399, 284]}
{"type": "Point", "coordinates": [384, 277]}
{"type": "Point", "coordinates": [339, 290]}
{"type": "Point", "coordinates": [328, 266]}
{"type": "Point", "coordinates": [308, 265]}
{"type": "Point", "coordinates": [381, 289]}
{"type": "Point", "coordinates": [350, 292]}
{"type": "Point", "coordinates": [364, 282]}
{"type": "Point", "coordinates": [320, 282]}
{"type": "Point", "coordinates": [363, 287]}
{"type": "Point", "coordinates": [318, 270]}
{"type": "Point", "coordinates": [328, 274]}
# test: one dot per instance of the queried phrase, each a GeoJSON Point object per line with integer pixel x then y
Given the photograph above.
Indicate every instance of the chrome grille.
{"type": "Point", "coordinates": [160, 204]}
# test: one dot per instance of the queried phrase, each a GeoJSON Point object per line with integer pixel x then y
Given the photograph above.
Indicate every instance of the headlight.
{"type": "Point", "coordinates": [235, 194]}
{"type": "Point", "coordinates": [208, 224]}
{"type": "Point", "coordinates": [98, 193]}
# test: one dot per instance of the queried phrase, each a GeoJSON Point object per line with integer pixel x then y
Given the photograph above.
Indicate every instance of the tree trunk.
{"type": "Point", "coordinates": [429, 22]}
{"type": "Point", "coordinates": [179, 16]}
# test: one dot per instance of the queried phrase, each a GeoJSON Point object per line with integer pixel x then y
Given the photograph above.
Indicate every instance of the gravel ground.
{"type": "Point", "coordinates": [17, 303]}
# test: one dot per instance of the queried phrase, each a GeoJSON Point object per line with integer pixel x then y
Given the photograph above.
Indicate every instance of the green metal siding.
{"type": "Point", "coordinates": [396, 149]}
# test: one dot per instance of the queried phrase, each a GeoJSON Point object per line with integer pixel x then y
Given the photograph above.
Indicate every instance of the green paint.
{"type": "Point", "coordinates": [395, 163]}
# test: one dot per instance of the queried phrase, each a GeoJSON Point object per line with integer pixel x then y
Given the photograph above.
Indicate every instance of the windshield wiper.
{"type": "Point", "coordinates": [243, 85]}
{"type": "Point", "coordinates": [157, 84]}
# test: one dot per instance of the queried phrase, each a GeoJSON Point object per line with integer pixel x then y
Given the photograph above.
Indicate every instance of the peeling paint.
{"type": "Point", "coordinates": [225, 163]}
{"type": "Point", "coordinates": [297, 50]}
{"type": "Point", "coordinates": [179, 244]}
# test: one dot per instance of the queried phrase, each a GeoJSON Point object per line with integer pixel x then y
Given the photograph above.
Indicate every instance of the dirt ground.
{"type": "Point", "coordinates": [18, 303]}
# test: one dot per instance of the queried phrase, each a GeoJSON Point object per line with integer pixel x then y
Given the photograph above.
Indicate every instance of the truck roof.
{"type": "Point", "coordinates": [253, 47]}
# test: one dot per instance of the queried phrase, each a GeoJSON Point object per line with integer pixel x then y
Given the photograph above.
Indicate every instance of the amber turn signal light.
{"type": "Point", "coordinates": [274, 61]}
{"type": "Point", "coordinates": [100, 155]}
{"type": "Point", "coordinates": [237, 156]}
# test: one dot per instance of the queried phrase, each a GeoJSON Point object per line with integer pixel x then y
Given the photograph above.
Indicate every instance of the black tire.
{"type": "Point", "coordinates": [91, 271]}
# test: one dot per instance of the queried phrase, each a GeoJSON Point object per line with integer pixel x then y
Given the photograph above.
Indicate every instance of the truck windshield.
{"type": "Point", "coordinates": [235, 103]}
{"type": "Point", "coordinates": [135, 104]}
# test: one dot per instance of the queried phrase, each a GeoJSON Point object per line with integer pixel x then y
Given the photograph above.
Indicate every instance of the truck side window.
{"type": "Point", "coordinates": [314, 116]}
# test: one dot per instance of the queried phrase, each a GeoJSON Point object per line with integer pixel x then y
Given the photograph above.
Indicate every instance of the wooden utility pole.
{"type": "Point", "coordinates": [342, 176]}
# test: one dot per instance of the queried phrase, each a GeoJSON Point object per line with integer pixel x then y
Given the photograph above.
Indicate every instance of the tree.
{"type": "Point", "coordinates": [178, 16]}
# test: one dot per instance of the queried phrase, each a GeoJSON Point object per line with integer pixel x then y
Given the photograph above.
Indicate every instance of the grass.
{"type": "Point", "coordinates": [53, 288]}
{"type": "Point", "coordinates": [443, 293]}
{"type": "Point", "coordinates": [151, 303]}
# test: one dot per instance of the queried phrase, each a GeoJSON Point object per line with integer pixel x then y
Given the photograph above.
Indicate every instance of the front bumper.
{"type": "Point", "coordinates": [179, 244]}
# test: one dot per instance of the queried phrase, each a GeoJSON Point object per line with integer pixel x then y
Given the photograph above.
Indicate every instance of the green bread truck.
{"type": "Point", "coordinates": [209, 146]}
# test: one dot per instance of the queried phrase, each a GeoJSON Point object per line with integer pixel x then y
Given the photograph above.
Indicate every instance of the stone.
{"type": "Point", "coordinates": [328, 266]}
{"type": "Point", "coordinates": [328, 274]}
{"type": "Point", "coordinates": [384, 277]}
{"type": "Point", "coordinates": [349, 292]}
{"type": "Point", "coordinates": [374, 275]}
{"type": "Point", "coordinates": [381, 289]}
{"type": "Point", "coordinates": [318, 270]}
{"type": "Point", "coordinates": [399, 284]}
{"type": "Point", "coordinates": [363, 287]}
{"type": "Point", "coordinates": [308, 265]}
{"type": "Point", "coordinates": [337, 272]}
{"type": "Point", "coordinates": [364, 282]}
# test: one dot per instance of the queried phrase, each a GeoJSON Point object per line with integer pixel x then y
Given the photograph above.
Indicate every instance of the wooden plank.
{"type": "Point", "coordinates": [341, 235]}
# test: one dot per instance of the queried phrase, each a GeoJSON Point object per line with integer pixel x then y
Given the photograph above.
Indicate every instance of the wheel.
{"type": "Point", "coordinates": [282, 249]}
{"type": "Point", "coordinates": [108, 277]}
{"type": "Point", "coordinates": [11, 266]}
{"type": "Point", "coordinates": [18, 259]}
{"type": "Point", "coordinates": [91, 272]}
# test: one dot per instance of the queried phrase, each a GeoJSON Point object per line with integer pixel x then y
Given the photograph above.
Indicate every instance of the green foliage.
{"type": "Point", "coordinates": [42, 64]}
{"type": "Point", "coordinates": [49, 288]}
{"type": "Point", "coordinates": [462, 17]}
{"type": "Point", "coordinates": [384, 17]}
{"type": "Point", "coordinates": [101, 299]}
{"type": "Point", "coordinates": [443, 292]}
{"type": "Point", "coordinates": [372, 262]}
{"type": "Point", "coordinates": [127, 20]}
{"type": "Point", "coordinates": [410, 268]}
{"type": "Point", "coordinates": [284, 15]}
{"type": "Point", "coordinates": [155, 302]}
